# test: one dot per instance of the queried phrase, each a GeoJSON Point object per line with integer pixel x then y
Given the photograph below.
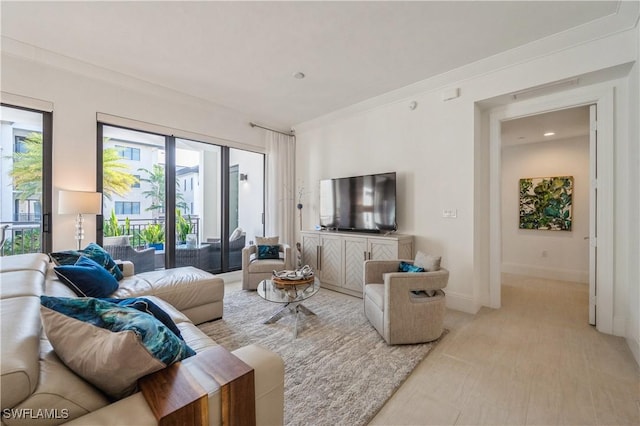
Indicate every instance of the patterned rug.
{"type": "Point", "coordinates": [338, 371]}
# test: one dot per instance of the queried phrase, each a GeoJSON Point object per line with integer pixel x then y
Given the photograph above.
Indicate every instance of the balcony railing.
{"type": "Point", "coordinates": [137, 226]}
{"type": "Point", "coordinates": [21, 238]}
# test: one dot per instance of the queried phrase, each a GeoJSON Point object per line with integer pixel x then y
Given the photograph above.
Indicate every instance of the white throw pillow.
{"type": "Point", "coordinates": [267, 241]}
{"type": "Point", "coordinates": [428, 262]}
{"type": "Point", "coordinates": [237, 233]}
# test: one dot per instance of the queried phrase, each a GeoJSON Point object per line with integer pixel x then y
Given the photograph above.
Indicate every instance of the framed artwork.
{"type": "Point", "coordinates": [545, 203]}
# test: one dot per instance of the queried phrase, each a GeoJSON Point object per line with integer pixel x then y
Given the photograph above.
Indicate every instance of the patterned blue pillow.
{"type": "Point", "coordinates": [108, 345]}
{"type": "Point", "coordinates": [93, 252]}
{"type": "Point", "coordinates": [145, 305]}
{"type": "Point", "coordinates": [86, 278]}
{"type": "Point", "coordinates": [269, 252]}
{"type": "Point", "coordinates": [407, 267]}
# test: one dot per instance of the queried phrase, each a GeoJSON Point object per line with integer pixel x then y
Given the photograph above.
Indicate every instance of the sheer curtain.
{"type": "Point", "coordinates": [280, 191]}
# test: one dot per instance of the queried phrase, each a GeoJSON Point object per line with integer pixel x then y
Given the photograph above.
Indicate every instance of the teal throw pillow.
{"type": "Point", "coordinates": [407, 267]}
{"type": "Point", "coordinates": [108, 345]}
{"type": "Point", "coordinates": [269, 252]}
{"type": "Point", "coordinates": [145, 305]}
{"type": "Point", "coordinates": [93, 252]}
{"type": "Point", "coordinates": [86, 278]}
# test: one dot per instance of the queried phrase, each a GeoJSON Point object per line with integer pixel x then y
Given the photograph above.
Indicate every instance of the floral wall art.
{"type": "Point", "coordinates": [545, 203]}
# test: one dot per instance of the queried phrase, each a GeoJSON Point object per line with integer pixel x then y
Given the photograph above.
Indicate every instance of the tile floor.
{"type": "Point", "coordinates": [535, 361]}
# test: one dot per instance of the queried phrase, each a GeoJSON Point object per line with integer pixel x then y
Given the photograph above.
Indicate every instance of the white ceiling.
{"type": "Point", "coordinates": [566, 124]}
{"type": "Point", "coordinates": [242, 54]}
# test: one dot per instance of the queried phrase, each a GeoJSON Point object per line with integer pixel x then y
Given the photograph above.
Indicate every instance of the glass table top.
{"type": "Point", "coordinates": [289, 293]}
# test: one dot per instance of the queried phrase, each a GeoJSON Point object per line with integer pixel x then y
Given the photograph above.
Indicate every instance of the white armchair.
{"type": "Point", "coordinates": [404, 307]}
{"type": "Point", "coordinates": [255, 270]}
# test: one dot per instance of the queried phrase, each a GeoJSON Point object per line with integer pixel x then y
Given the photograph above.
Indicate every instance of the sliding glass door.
{"type": "Point", "coordinates": [198, 205]}
{"type": "Point", "coordinates": [177, 202]}
{"type": "Point", "coordinates": [25, 181]}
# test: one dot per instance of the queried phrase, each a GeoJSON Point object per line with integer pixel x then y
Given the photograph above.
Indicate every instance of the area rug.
{"type": "Point", "coordinates": [338, 371]}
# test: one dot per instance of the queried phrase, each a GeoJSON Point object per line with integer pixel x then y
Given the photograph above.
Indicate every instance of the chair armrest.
{"type": "Point", "coordinates": [127, 267]}
{"type": "Point", "coordinates": [247, 252]}
{"type": "Point", "coordinates": [375, 269]}
{"type": "Point", "coordinates": [286, 249]}
{"type": "Point", "coordinates": [397, 283]}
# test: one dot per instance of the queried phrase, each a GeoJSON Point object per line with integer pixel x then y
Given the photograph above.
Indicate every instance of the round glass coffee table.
{"type": "Point", "coordinates": [291, 296]}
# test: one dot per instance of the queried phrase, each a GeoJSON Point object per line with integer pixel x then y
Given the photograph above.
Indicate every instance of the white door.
{"type": "Point", "coordinates": [593, 202]}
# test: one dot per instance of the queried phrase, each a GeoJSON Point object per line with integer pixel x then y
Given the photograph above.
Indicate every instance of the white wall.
{"type": "Point", "coordinates": [440, 151]}
{"type": "Point", "coordinates": [633, 318]}
{"type": "Point", "coordinates": [561, 255]}
{"type": "Point", "coordinates": [78, 92]}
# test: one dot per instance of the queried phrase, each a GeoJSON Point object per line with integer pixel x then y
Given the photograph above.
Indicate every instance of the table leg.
{"type": "Point", "coordinates": [277, 315]}
{"type": "Point", "coordinates": [305, 310]}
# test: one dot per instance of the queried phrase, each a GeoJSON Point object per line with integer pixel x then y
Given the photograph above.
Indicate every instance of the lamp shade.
{"type": "Point", "coordinates": [79, 202]}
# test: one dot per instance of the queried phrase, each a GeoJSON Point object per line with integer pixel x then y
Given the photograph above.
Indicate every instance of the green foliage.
{"type": "Point", "coordinates": [546, 203]}
{"type": "Point", "coordinates": [111, 226]}
{"type": "Point", "coordinates": [183, 226]}
{"type": "Point", "coordinates": [27, 168]}
{"type": "Point", "coordinates": [156, 178]}
{"type": "Point", "coordinates": [153, 234]}
{"type": "Point", "coordinates": [116, 177]}
{"type": "Point", "coordinates": [26, 241]}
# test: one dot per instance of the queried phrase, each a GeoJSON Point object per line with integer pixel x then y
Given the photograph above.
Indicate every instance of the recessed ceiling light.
{"type": "Point", "coordinates": [299, 75]}
{"type": "Point", "coordinates": [550, 133]}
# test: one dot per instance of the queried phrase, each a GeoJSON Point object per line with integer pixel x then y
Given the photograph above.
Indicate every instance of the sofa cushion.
{"type": "Point", "coordinates": [109, 345]}
{"type": "Point", "coordinates": [93, 252]}
{"type": "Point", "coordinates": [20, 326]}
{"type": "Point", "coordinates": [19, 262]}
{"type": "Point", "coordinates": [87, 279]}
{"type": "Point", "coordinates": [62, 389]}
{"type": "Point", "coordinates": [21, 283]}
{"type": "Point", "coordinates": [184, 287]}
{"type": "Point", "coordinates": [265, 265]}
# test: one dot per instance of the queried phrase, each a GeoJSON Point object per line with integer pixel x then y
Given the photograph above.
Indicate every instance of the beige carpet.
{"type": "Point", "coordinates": [338, 371]}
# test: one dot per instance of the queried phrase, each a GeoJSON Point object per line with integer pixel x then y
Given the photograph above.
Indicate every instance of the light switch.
{"type": "Point", "coordinates": [450, 213]}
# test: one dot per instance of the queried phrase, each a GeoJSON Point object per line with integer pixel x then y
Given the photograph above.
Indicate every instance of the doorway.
{"type": "Point", "coordinates": [602, 96]}
{"type": "Point", "coordinates": [546, 214]}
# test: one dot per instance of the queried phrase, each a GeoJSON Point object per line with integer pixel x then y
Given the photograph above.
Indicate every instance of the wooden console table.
{"type": "Point", "coordinates": [176, 398]}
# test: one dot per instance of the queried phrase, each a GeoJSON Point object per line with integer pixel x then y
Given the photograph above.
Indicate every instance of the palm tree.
{"type": "Point", "coordinates": [116, 177]}
{"type": "Point", "coordinates": [155, 179]}
{"type": "Point", "coordinates": [27, 170]}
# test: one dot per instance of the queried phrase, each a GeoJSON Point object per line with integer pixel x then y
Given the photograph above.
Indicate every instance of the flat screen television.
{"type": "Point", "coordinates": [359, 203]}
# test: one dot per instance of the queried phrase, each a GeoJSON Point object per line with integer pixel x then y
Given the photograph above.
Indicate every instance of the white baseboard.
{"type": "Point", "coordinates": [548, 273]}
{"type": "Point", "coordinates": [461, 302]}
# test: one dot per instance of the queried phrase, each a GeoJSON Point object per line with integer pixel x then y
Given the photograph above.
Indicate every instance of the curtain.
{"type": "Point", "coordinates": [280, 192]}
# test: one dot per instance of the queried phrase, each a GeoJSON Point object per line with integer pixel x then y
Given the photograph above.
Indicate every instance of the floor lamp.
{"type": "Point", "coordinates": [79, 203]}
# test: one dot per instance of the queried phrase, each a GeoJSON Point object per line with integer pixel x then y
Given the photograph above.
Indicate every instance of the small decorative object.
{"type": "Point", "coordinates": [192, 240]}
{"type": "Point", "coordinates": [545, 203]}
{"type": "Point", "coordinates": [302, 275]}
{"type": "Point", "coordinates": [298, 255]}
{"type": "Point", "coordinates": [299, 205]}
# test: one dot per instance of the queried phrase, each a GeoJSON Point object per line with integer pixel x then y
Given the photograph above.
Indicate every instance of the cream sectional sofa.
{"type": "Point", "coordinates": [36, 385]}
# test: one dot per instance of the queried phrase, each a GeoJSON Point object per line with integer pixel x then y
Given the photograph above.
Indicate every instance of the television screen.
{"type": "Point", "coordinates": [359, 203]}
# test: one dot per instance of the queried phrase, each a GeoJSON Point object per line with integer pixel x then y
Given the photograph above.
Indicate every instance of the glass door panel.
{"type": "Point", "coordinates": [246, 202]}
{"type": "Point", "coordinates": [133, 188]}
{"type": "Point", "coordinates": [198, 205]}
{"type": "Point", "coordinates": [24, 180]}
